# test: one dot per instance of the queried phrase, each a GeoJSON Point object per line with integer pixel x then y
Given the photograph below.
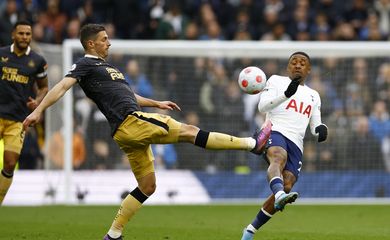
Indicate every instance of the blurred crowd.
{"type": "Point", "coordinates": [56, 20]}
{"type": "Point", "coordinates": [355, 92]}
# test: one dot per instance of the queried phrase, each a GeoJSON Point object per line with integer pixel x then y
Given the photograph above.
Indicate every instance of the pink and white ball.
{"type": "Point", "coordinates": [252, 80]}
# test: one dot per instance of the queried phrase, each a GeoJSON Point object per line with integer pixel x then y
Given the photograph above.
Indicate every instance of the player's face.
{"type": "Point", "coordinates": [102, 44]}
{"type": "Point", "coordinates": [22, 36]}
{"type": "Point", "coordinates": [298, 66]}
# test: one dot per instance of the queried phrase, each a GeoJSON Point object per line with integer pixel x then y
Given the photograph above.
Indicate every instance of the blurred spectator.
{"type": "Point", "coordinates": [277, 33]}
{"type": "Point", "coordinates": [127, 17]}
{"type": "Point", "coordinates": [329, 99]}
{"type": "Point", "coordinates": [359, 98]}
{"type": "Point", "coordinates": [370, 31]}
{"type": "Point", "coordinates": [382, 8]}
{"type": "Point", "coordinates": [356, 14]}
{"type": "Point", "coordinates": [332, 8]}
{"type": "Point", "coordinates": [154, 16]}
{"type": "Point", "coordinates": [165, 156]}
{"type": "Point", "coordinates": [188, 156]}
{"type": "Point", "coordinates": [173, 23]}
{"type": "Point", "coordinates": [383, 83]}
{"type": "Point", "coordinates": [213, 32]}
{"type": "Point", "coordinates": [271, 18]}
{"type": "Point", "coordinates": [354, 104]}
{"type": "Point", "coordinates": [212, 93]}
{"type": "Point", "coordinates": [102, 151]}
{"type": "Point", "coordinates": [320, 29]}
{"type": "Point", "coordinates": [380, 127]}
{"type": "Point", "coordinates": [206, 15]}
{"type": "Point", "coordinates": [53, 21]}
{"type": "Point", "coordinates": [137, 80]}
{"type": "Point", "coordinates": [300, 22]}
{"type": "Point", "coordinates": [73, 29]}
{"type": "Point", "coordinates": [191, 31]}
{"type": "Point", "coordinates": [56, 149]}
{"type": "Point", "coordinates": [344, 31]}
{"type": "Point", "coordinates": [334, 71]}
{"type": "Point", "coordinates": [242, 24]}
{"type": "Point", "coordinates": [7, 21]}
{"type": "Point", "coordinates": [86, 13]}
{"type": "Point", "coordinates": [230, 118]}
{"type": "Point", "coordinates": [340, 129]}
{"type": "Point", "coordinates": [28, 10]}
{"type": "Point", "coordinates": [363, 149]}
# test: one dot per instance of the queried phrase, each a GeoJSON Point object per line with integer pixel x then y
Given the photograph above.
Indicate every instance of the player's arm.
{"type": "Point", "coordinates": [270, 98]}
{"type": "Point", "coordinates": [42, 89]}
{"type": "Point", "coordinates": [317, 128]}
{"type": "Point", "coordinates": [147, 102]}
{"type": "Point", "coordinates": [51, 97]}
{"type": "Point", "coordinates": [41, 92]}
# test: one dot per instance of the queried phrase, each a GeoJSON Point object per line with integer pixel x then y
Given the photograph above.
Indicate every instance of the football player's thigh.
{"type": "Point", "coordinates": [173, 132]}
{"type": "Point", "coordinates": [294, 161]}
{"type": "Point", "coordinates": [13, 136]}
{"type": "Point", "coordinates": [141, 161]}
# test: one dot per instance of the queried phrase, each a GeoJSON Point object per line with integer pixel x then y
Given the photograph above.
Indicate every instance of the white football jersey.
{"type": "Point", "coordinates": [292, 116]}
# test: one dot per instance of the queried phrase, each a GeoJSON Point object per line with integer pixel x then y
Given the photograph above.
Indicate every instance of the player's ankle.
{"type": "Point", "coordinates": [278, 194]}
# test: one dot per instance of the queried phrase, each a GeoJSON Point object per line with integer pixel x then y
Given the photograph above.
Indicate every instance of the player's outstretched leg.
{"type": "Point", "coordinates": [109, 238]}
{"type": "Point", "coordinates": [261, 136]}
{"type": "Point", "coordinates": [247, 235]}
{"type": "Point", "coordinates": [284, 199]}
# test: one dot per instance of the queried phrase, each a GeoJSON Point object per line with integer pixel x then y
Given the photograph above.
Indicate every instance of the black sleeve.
{"type": "Point", "coordinates": [78, 70]}
{"type": "Point", "coordinates": [42, 69]}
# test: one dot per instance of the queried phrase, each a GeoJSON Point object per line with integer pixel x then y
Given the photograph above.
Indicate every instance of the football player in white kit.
{"type": "Point", "coordinates": [290, 106]}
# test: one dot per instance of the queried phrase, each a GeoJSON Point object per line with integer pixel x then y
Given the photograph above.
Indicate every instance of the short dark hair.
{"type": "Point", "coordinates": [21, 22]}
{"type": "Point", "coordinates": [88, 32]}
{"type": "Point", "coordinates": [300, 53]}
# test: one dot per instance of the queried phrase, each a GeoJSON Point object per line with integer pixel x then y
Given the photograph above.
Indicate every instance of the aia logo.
{"type": "Point", "coordinates": [301, 108]}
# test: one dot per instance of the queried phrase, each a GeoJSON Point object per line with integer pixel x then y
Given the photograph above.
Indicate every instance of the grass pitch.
{"type": "Point", "coordinates": [208, 222]}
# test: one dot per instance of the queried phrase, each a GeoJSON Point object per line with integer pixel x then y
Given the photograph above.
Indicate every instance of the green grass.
{"type": "Point", "coordinates": [209, 222]}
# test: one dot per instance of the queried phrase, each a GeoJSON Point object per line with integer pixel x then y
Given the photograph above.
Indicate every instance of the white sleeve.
{"type": "Point", "coordinates": [270, 98]}
{"type": "Point", "coordinates": [315, 119]}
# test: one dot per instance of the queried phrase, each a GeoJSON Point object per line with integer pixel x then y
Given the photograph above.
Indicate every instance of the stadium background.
{"type": "Point", "coordinates": [353, 163]}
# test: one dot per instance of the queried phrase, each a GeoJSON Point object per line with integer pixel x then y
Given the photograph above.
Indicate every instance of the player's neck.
{"type": "Point", "coordinates": [18, 51]}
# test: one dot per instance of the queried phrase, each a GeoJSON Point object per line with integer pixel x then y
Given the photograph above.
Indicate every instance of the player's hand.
{"type": "Point", "coordinates": [322, 131]}
{"type": "Point", "coordinates": [292, 87]}
{"type": "Point", "coordinates": [31, 120]}
{"type": "Point", "coordinates": [168, 105]}
{"type": "Point", "coordinates": [32, 103]}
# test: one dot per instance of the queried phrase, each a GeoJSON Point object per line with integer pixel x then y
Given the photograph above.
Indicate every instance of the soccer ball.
{"type": "Point", "coordinates": [252, 80]}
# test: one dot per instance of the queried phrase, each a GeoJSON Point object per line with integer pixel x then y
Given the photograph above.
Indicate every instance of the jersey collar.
{"type": "Point", "coordinates": [93, 56]}
{"type": "Point", "coordinates": [26, 53]}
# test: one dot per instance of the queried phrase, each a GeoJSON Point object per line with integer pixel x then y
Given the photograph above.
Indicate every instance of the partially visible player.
{"type": "Point", "coordinates": [20, 69]}
{"type": "Point", "coordinates": [291, 106]}
{"type": "Point", "coordinates": [131, 128]}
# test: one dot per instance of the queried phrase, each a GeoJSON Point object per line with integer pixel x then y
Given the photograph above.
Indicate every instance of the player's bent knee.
{"type": "Point", "coordinates": [188, 133]}
{"type": "Point", "coordinates": [148, 189]}
{"type": "Point", "coordinates": [10, 164]}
